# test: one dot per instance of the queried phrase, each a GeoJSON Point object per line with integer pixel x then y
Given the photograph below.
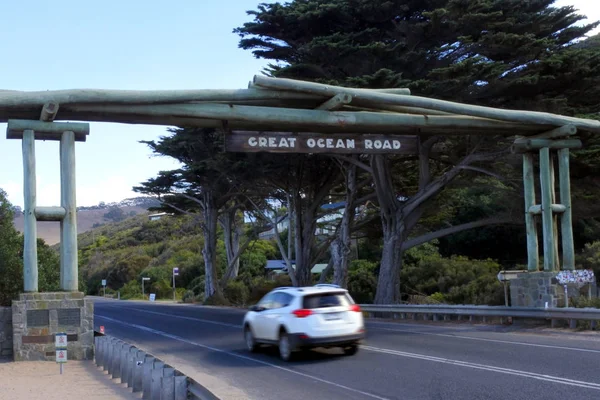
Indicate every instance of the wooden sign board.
{"type": "Point", "coordinates": [304, 142]}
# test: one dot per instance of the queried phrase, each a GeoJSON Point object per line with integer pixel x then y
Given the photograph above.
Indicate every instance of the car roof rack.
{"type": "Point", "coordinates": [328, 285]}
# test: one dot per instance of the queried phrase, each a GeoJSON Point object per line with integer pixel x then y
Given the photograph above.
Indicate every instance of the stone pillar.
{"type": "Point", "coordinates": [534, 289]}
{"type": "Point", "coordinates": [37, 317]}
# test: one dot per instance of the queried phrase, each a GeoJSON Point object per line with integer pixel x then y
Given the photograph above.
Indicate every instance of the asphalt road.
{"type": "Point", "coordinates": [398, 361]}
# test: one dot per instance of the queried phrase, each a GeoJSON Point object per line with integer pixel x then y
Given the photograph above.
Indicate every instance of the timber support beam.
{"type": "Point", "coordinates": [66, 214]}
{"type": "Point", "coordinates": [549, 209]}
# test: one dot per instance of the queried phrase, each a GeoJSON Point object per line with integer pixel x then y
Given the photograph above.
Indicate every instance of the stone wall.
{"type": "Point", "coordinates": [6, 332]}
{"type": "Point", "coordinates": [37, 317]}
{"type": "Point", "coordinates": [534, 289]}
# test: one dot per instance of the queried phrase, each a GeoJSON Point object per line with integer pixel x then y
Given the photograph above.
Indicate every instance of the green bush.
{"type": "Point", "coordinates": [584, 302]}
{"type": "Point", "coordinates": [131, 290]}
{"type": "Point", "coordinates": [188, 296]}
{"type": "Point", "coordinates": [459, 279]}
{"type": "Point", "coordinates": [362, 281]}
{"type": "Point", "coordinates": [217, 299]}
{"type": "Point", "coordinates": [236, 292]}
{"type": "Point", "coordinates": [438, 297]}
{"type": "Point", "coordinates": [262, 286]}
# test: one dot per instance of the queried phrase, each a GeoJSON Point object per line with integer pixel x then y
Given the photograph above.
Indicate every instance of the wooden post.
{"type": "Point", "coordinates": [529, 188]}
{"type": "Point", "coordinates": [546, 189]}
{"type": "Point", "coordinates": [68, 226]}
{"type": "Point", "coordinates": [566, 224]}
{"type": "Point", "coordinates": [554, 216]}
{"type": "Point", "coordinates": [30, 258]}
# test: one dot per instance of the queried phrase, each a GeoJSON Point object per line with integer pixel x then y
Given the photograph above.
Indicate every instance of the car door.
{"type": "Point", "coordinates": [259, 325]}
{"type": "Point", "coordinates": [272, 317]}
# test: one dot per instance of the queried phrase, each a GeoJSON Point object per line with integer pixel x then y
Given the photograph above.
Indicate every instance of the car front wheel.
{"type": "Point", "coordinates": [251, 344]}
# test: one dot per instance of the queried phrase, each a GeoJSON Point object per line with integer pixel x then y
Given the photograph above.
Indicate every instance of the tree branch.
{"type": "Point", "coordinates": [483, 171]}
{"type": "Point", "coordinates": [355, 162]}
{"type": "Point", "coordinates": [435, 186]}
{"type": "Point", "coordinates": [454, 229]}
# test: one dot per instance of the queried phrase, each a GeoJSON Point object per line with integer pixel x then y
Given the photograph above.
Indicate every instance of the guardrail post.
{"type": "Point", "coordinates": [156, 379]}
{"type": "Point", "coordinates": [131, 360]}
{"type": "Point", "coordinates": [108, 365]}
{"type": "Point", "coordinates": [167, 385]}
{"type": "Point", "coordinates": [124, 354]}
{"type": "Point", "coordinates": [572, 323]}
{"type": "Point", "coordinates": [116, 360]}
{"type": "Point", "coordinates": [147, 377]}
{"type": "Point", "coordinates": [138, 371]}
{"type": "Point", "coordinates": [97, 351]}
{"type": "Point", "coordinates": [101, 351]}
{"type": "Point", "coordinates": [104, 345]}
{"type": "Point", "coordinates": [181, 387]}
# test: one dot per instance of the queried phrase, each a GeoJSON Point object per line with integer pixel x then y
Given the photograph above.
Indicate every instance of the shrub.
{"type": "Point", "coordinates": [217, 299]}
{"type": "Point", "coordinates": [236, 292]}
{"type": "Point", "coordinates": [362, 281]}
{"type": "Point", "coordinates": [188, 296]}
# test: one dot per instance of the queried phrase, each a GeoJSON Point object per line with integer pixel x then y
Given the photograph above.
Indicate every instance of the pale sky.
{"type": "Point", "coordinates": [133, 44]}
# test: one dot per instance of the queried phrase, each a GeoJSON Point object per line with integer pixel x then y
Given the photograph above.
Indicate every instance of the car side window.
{"type": "Point", "coordinates": [283, 299]}
{"type": "Point", "coordinates": [267, 301]}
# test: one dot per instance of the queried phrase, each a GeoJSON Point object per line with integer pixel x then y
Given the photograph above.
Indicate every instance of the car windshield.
{"type": "Point", "coordinates": [323, 300]}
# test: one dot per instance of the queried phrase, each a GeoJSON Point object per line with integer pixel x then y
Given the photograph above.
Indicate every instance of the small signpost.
{"type": "Point", "coordinates": [175, 273]}
{"type": "Point", "coordinates": [144, 279]}
{"type": "Point", "coordinates": [104, 286]}
{"type": "Point", "coordinates": [61, 349]}
{"type": "Point", "coordinates": [152, 296]}
{"type": "Point", "coordinates": [507, 276]}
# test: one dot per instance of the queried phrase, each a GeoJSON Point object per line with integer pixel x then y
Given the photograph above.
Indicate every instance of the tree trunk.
{"type": "Point", "coordinates": [209, 252]}
{"type": "Point", "coordinates": [231, 236]}
{"type": "Point", "coordinates": [326, 271]}
{"type": "Point", "coordinates": [304, 229]}
{"type": "Point", "coordinates": [388, 284]}
{"type": "Point", "coordinates": [341, 246]}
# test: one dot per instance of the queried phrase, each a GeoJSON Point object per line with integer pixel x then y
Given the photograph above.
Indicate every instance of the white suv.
{"type": "Point", "coordinates": [297, 318]}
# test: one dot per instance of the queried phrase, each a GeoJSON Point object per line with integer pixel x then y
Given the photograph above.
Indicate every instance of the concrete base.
{"type": "Point", "coordinates": [534, 289]}
{"type": "Point", "coordinates": [37, 317]}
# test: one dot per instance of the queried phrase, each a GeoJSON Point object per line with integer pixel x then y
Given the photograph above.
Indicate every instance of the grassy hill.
{"type": "Point", "coordinates": [124, 251]}
{"type": "Point", "coordinates": [90, 217]}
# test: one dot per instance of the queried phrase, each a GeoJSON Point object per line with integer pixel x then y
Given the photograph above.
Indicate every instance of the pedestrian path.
{"type": "Point", "coordinates": [81, 380]}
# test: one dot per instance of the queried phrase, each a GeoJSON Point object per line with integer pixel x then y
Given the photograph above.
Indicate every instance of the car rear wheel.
{"type": "Point", "coordinates": [251, 344]}
{"type": "Point", "coordinates": [351, 350]}
{"type": "Point", "coordinates": [285, 347]}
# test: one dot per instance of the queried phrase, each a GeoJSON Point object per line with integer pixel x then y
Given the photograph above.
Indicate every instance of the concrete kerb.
{"type": "Point", "coordinates": [142, 372]}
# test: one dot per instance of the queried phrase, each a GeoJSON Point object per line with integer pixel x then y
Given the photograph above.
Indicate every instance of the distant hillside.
{"type": "Point", "coordinates": [90, 217]}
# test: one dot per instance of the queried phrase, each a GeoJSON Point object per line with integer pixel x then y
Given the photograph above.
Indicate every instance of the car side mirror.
{"type": "Point", "coordinates": [256, 308]}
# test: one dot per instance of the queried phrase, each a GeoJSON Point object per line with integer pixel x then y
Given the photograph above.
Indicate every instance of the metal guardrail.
{"type": "Point", "coordinates": [553, 314]}
{"type": "Point", "coordinates": [144, 373]}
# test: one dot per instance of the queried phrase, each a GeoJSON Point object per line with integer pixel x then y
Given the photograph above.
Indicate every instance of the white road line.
{"type": "Point", "coordinates": [208, 321]}
{"type": "Point", "coordinates": [178, 338]}
{"type": "Point", "coordinates": [524, 374]}
{"type": "Point", "coordinates": [485, 340]}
